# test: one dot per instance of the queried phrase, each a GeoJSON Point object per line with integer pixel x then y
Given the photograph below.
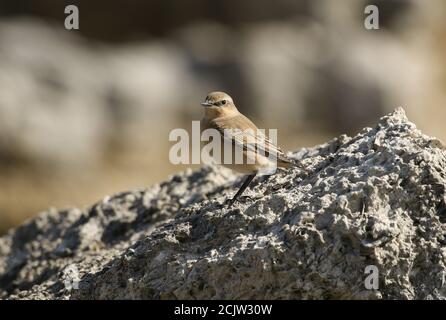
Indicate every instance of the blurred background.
{"type": "Point", "coordinates": [86, 113]}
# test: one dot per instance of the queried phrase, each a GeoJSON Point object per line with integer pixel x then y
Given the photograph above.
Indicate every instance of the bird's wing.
{"type": "Point", "coordinates": [241, 131]}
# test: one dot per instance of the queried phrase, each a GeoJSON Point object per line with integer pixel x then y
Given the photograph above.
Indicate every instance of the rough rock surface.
{"type": "Point", "coordinates": [375, 199]}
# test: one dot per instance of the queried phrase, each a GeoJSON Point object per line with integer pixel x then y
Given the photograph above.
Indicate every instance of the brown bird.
{"type": "Point", "coordinates": [258, 152]}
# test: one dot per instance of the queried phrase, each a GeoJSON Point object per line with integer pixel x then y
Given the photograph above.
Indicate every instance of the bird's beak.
{"type": "Point", "coordinates": [206, 104]}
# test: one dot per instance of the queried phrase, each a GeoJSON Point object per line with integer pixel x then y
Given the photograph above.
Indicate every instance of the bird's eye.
{"type": "Point", "coordinates": [223, 102]}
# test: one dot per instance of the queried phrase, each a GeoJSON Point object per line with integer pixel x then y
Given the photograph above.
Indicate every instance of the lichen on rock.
{"type": "Point", "coordinates": [377, 198]}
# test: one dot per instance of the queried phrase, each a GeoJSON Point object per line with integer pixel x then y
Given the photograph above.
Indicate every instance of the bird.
{"type": "Point", "coordinates": [260, 154]}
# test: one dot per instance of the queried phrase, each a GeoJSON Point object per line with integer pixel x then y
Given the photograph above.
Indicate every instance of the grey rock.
{"type": "Point", "coordinates": [377, 198]}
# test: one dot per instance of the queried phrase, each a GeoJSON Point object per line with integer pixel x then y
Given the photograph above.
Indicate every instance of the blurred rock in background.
{"type": "Point", "coordinates": [86, 113]}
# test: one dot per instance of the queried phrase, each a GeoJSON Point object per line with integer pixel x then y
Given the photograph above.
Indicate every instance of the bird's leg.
{"type": "Point", "coordinates": [242, 188]}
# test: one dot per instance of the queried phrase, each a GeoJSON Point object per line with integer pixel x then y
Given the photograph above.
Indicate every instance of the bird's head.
{"type": "Point", "coordinates": [218, 103]}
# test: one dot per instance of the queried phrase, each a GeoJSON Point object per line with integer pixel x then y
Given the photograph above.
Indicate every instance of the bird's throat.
{"type": "Point", "coordinates": [217, 112]}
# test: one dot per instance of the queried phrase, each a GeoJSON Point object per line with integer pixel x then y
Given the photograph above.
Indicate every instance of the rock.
{"type": "Point", "coordinates": [377, 198]}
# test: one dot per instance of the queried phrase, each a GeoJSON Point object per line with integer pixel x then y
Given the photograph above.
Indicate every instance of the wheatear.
{"type": "Point", "coordinates": [259, 153]}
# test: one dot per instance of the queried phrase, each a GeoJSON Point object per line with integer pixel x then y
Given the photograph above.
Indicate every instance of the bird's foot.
{"type": "Point", "coordinates": [230, 203]}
